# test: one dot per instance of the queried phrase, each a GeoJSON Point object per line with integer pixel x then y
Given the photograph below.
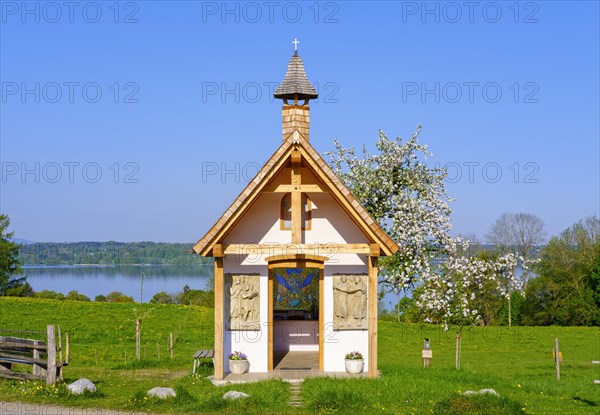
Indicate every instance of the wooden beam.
{"type": "Point", "coordinates": [372, 317]}
{"type": "Point", "coordinates": [296, 157]}
{"type": "Point", "coordinates": [321, 319]}
{"type": "Point", "coordinates": [219, 319]}
{"type": "Point", "coordinates": [296, 198]}
{"type": "Point", "coordinates": [252, 190]}
{"type": "Point", "coordinates": [218, 251]}
{"type": "Point", "coordinates": [375, 250]}
{"type": "Point", "coordinates": [296, 217]}
{"type": "Point", "coordinates": [287, 188]}
{"type": "Point", "coordinates": [16, 358]}
{"type": "Point", "coordinates": [270, 321]}
{"type": "Point", "coordinates": [319, 167]}
{"type": "Point", "coordinates": [328, 250]}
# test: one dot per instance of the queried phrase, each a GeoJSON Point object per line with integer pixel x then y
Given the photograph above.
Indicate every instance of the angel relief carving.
{"type": "Point", "coordinates": [350, 302]}
{"type": "Point", "coordinates": [244, 301]}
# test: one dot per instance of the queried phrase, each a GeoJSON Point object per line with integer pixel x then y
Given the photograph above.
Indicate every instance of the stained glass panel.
{"type": "Point", "coordinates": [296, 289]}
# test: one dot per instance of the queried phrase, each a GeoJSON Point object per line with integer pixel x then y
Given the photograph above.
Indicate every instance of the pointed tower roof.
{"type": "Point", "coordinates": [295, 82]}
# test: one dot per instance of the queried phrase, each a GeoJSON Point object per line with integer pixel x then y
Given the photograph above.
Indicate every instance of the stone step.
{"type": "Point", "coordinates": [295, 400]}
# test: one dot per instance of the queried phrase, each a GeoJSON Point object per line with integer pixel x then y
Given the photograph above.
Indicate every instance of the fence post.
{"type": "Point", "coordinates": [66, 348]}
{"type": "Point", "coordinates": [137, 340]}
{"type": "Point", "coordinates": [51, 372]}
{"type": "Point", "coordinates": [457, 357]}
{"type": "Point", "coordinates": [60, 359]}
{"type": "Point", "coordinates": [557, 358]}
{"type": "Point", "coordinates": [36, 355]}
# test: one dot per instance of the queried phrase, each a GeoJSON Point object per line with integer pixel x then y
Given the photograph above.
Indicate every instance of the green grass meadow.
{"type": "Point", "coordinates": [516, 362]}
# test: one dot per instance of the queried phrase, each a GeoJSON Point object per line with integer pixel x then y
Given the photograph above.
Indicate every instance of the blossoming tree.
{"type": "Point", "coordinates": [409, 201]}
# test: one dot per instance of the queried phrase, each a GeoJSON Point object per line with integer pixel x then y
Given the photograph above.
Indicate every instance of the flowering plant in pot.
{"type": "Point", "coordinates": [238, 363]}
{"type": "Point", "coordinates": [354, 362]}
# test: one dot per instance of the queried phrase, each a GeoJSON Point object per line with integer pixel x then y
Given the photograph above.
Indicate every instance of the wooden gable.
{"type": "Point", "coordinates": [277, 175]}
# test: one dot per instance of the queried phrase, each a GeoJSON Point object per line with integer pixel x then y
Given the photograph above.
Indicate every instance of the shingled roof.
{"type": "Point", "coordinates": [295, 82]}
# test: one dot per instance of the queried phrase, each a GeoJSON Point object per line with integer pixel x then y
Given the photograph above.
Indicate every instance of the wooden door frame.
{"type": "Point", "coordinates": [297, 261]}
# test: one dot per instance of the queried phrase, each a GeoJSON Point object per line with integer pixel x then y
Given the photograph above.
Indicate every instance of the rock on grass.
{"type": "Point", "coordinates": [235, 395]}
{"type": "Point", "coordinates": [80, 386]}
{"type": "Point", "coordinates": [161, 393]}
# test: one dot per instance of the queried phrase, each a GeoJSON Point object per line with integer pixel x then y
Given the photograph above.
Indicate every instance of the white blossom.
{"type": "Point", "coordinates": [409, 201]}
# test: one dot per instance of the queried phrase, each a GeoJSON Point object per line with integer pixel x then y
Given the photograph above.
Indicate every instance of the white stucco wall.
{"type": "Point", "coordinates": [330, 224]}
{"type": "Point", "coordinates": [338, 343]}
{"type": "Point", "coordinates": [253, 343]}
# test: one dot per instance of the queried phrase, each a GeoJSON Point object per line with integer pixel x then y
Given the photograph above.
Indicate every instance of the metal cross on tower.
{"type": "Point", "coordinates": [296, 42]}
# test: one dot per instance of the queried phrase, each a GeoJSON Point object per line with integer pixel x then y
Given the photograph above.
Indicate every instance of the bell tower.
{"type": "Point", "coordinates": [295, 90]}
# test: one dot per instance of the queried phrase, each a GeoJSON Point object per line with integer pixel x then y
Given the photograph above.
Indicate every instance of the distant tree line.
{"type": "Point", "coordinates": [109, 253]}
{"type": "Point", "coordinates": [186, 297]}
{"type": "Point", "coordinates": [562, 287]}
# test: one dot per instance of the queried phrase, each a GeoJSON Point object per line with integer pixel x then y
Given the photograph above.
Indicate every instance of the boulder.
{"type": "Point", "coordinates": [235, 395]}
{"type": "Point", "coordinates": [481, 392]}
{"type": "Point", "coordinates": [161, 393]}
{"type": "Point", "coordinates": [80, 386]}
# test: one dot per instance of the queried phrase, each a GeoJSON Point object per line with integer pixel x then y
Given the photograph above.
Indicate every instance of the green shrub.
{"type": "Point", "coordinates": [162, 298]}
{"type": "Point", "coordinates": [76, 296]}
{"type": "Point", "coordinates": [49, 294]}
{"type": "Point", "coordinates": [118, 297]}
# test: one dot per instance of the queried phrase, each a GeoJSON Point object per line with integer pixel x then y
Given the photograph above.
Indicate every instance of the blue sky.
{"type": "Point", "coordinates": [112, 113]}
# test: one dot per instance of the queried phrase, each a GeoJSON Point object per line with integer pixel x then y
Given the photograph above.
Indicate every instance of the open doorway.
{"type": "Point", "coordinates": [295, 316]}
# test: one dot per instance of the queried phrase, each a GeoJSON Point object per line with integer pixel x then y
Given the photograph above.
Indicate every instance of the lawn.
{"type": "Point", "coordinates": [516, 362]}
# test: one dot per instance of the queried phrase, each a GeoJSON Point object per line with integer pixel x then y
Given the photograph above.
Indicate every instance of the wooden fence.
{"type": "Point", "coordinates": [46, 358]}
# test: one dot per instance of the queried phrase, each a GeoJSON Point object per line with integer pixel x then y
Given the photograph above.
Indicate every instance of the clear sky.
{"type": "Point", "coordinates": [114, 115]}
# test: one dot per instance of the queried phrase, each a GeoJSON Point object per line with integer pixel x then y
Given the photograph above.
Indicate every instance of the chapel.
{"type": "Point", "coordinates": [295, 257]}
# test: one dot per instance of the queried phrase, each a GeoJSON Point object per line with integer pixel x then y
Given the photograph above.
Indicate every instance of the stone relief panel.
{"type": "Point", "coordinates": [242, 302]}
{"type": "Point", "coordinates": [350, 302]}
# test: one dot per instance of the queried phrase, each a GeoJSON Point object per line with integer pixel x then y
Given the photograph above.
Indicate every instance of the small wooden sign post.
{"type": "Point", "coordinates": [427, 353]}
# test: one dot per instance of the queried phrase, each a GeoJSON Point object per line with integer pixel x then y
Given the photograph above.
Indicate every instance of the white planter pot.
{"type": "Point", "coordinates": [355, 365]}
{"type": "Point", "coordinates": [238, 367]}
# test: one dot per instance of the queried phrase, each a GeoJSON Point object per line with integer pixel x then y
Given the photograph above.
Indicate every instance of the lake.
{"type": "Point", "coordinates": [92, 280]}
{"type": "Point", "coordinates": [95, 280]}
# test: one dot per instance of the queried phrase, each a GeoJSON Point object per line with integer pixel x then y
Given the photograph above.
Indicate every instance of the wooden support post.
{"type": "Point", "coordinates": [557, 358]}
{"type": "Point", "coordinates": [372, 315]}
{"type": "Point", "coordinates": [51, 372]}
{"type": "Point", "coordinates": [171, 345]}
{"type": "Point", "coordinates": [219, 319]}
{"type": "Point", "coordinates": [321, 318]}
{"type": "Point", "coordinates": [270, 320]}
{"type": "Point", "coordinates": [60, 359]}
{"type": "Point", "coordinates": [138, 351]}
